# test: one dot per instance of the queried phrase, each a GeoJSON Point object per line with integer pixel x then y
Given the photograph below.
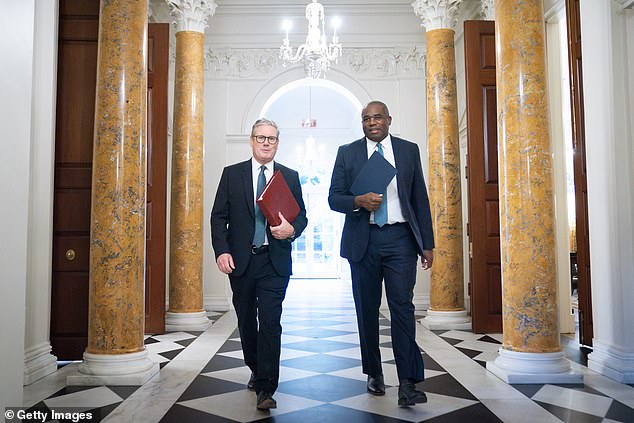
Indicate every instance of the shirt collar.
{"type": "Point", "coordinates": [255, 166]}
{"type": "Point", "coordinates": [385, 142]}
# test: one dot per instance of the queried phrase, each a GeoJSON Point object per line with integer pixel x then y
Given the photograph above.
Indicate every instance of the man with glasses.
{"type": "Point", "coordinates": [256, 256]}
{"type": "Point", "coordinates": [383, 235]}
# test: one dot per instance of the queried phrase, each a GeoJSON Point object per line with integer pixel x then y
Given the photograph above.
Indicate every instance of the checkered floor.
{"type": "Point", "coordinates": [203, 376]}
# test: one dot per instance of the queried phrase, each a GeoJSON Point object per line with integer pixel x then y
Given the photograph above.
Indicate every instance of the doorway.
{"type": "Point", "coordinates": [315, 117]}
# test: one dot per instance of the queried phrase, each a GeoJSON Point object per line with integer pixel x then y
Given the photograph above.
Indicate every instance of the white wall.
{"type": "Point", "coordinates": [234, 99]}
{"type": "Point", "coordinates": [383, 59]}
{"type": "Point", "coordinates": [233, 105]}
{"type": "Point", "coordinates": [17, 39]}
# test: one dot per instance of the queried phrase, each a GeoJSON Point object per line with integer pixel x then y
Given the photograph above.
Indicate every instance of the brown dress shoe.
{"type": "Point", "coordinates": [265, 401]}
{"type": "Point", "coordinates": [408, 395]}
{"type": "Point", "coordinates": [376, 385]}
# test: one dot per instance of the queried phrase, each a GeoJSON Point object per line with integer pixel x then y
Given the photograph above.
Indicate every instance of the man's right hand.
{"type": "Point", "coordinates": [225, 263]}
{"type": "Point", "coordinates": [369, 201]}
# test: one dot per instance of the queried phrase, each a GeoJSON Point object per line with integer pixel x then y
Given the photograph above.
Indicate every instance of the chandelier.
{"type": "Point", "coordinates": [315, 52]}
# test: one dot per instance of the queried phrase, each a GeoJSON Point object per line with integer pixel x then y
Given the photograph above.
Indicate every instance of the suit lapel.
{"type": "Point", "coordinates": [399, 161]}
{"type": "Point", "coordinates": [247, 183]}
{"type": "Point", "coordinates": [361, 152]}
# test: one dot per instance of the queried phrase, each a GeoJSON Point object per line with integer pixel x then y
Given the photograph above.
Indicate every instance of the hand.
{"type": "Point", "coordinates": [369, 201]}
{"type": "Point", "coordinates": [284, 230]}
{"type": "Point", "coordinates": [225, 263]}
{"type": "Point", "coordinates": [427, 259]}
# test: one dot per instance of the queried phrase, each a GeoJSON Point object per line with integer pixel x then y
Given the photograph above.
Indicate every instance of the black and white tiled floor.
{"type": "Point", "coordinates": [203, 377]}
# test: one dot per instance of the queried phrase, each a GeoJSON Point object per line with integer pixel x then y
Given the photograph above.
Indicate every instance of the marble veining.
{"type": "Point", "coordinates": [186, 220]}
{"type": "Point", "coordinates": [117, 251]}
{"type": "Point", "coordinates": [526, 189]}
{"type": "Point", "coordinates": [447, 287]}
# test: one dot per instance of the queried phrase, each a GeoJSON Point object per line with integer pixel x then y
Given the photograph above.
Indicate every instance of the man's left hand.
{"type": "Point", "coordinates": [427, 259]}
{"type": "Point", "coordinates": [284, 230]}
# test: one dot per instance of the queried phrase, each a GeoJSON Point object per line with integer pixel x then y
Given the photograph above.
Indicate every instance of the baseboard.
{"type": "Point", "coordinates": [38, 363]}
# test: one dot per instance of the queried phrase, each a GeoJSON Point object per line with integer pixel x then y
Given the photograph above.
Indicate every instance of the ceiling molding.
{"type": "Point", "coordinates": [284, 8]}
{"type": "Point", "coordinates": [368, 63]}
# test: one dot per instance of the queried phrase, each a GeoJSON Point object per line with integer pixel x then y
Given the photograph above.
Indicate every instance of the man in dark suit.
{"type": "Point", "coordinates": [256, 256]}
{"type": "Point", "coordinates": [382, 237]}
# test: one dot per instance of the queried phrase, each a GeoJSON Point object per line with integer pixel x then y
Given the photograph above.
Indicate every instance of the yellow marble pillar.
{"type": "Point", "coordinates": [447, 286]}
{"type": "Point", "coordinates": [530, 351]}
{"type": "Point", "coordinates": [117, 247]}
{"type": "Point", "coordinates": [186, 220]}
{"type": "Point", "coordinates": [186, 208]}
{"type": "Point", "coordinates": [115, 354]}
{"type": "Point", "coordinates": [527, 229]}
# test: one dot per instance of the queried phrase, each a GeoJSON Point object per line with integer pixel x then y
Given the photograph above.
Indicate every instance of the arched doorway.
{"type": "Point", "coordinates": [315, 117]}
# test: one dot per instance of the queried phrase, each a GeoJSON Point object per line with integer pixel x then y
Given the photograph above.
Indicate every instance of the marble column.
{"type": "Point", "coordinates": [446, 309]}
{"type": "Point", "coordinates": [186, 209]}
{"type": "Point", "coordinates": [531, 352]}
{"type": "Point", "coordinates": [115, 354]}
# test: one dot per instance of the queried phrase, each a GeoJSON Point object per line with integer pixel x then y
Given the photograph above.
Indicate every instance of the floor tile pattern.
{"type": "Point", "coordinates": [203, 376]}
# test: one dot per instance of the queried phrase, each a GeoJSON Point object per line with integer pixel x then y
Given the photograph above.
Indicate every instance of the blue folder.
{"type": "Point", "coordinates": [374, 176]}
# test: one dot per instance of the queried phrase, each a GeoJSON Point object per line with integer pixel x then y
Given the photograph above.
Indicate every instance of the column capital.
{"type": "Point", "coordinates": [437, 14]}
{"type": "Point", "coordinates": [487, 10]}
{"type": "Point", "coordinates": [191, 15]}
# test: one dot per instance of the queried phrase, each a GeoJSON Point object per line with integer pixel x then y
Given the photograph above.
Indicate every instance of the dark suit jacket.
{"type": "Point", "coordinates": [412, 195]}
{"type": "Point", "coordinates": [233, 218]}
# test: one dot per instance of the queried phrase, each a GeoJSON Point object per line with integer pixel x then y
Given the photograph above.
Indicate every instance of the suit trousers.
{"type": "Point", "coordinates": [257, 299]}
{"type": "Point", "coordinates": [391, 256]}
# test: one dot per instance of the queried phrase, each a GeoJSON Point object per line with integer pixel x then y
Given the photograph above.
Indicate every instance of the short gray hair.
{"type": "Point", "coordinates": [264, 122]}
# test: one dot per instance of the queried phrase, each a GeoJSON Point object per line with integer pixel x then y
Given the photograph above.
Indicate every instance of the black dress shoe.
{"type": "Point", "coordinates": [251, 382]}
{"type": "Point", "coordinates": [376, 385]}
{"type": "Point", "coordinates": [408, 395]}
{"type": "Point", "coordinates": [265, 401]}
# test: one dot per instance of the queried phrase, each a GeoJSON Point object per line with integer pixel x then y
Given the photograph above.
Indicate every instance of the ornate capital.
{"type": "Point", "coordinates": [437, 14]}
{"type": "Point", "coordinates": [191, 15]}
{"type": "Point", "coordinates": [487, 10]}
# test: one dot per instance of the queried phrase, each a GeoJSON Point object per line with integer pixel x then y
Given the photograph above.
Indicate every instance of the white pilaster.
{"type": "Point", "coordinates": [114, 369]}
{"type": "Point", "coordinates": [191, 15]}
{"type": "Point", "coordinates": [608, 68]}
{"type": "Point", "coordinates": [521, 367]}
{"type": "Point", "coordinates": [437, 14]}
{"type": "Point", "coordinates": [38, 360]}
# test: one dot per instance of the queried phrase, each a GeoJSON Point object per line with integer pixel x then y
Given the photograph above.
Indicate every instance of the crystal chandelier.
{"type": "Point", "coordinates": [315, 52]}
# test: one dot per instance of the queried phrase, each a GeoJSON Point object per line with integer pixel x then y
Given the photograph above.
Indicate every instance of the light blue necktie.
{"type": "Point", "coordinates": [260, 222]}
{"type": "Point", "coordinates": [380, 214]}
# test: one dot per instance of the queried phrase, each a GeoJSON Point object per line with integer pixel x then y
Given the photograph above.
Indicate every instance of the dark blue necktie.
{"type": "Point", "coordinates": [260, 222]}
{"type": "Point", "coordinates": [380, 214]}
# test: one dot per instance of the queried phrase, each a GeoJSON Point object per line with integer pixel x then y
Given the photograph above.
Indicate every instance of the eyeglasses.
{"type": "Point", "coordinates": [261, 138]}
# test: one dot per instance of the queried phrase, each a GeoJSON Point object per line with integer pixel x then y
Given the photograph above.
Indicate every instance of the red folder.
{"type": "Point", "coordinates": [277, 197]}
